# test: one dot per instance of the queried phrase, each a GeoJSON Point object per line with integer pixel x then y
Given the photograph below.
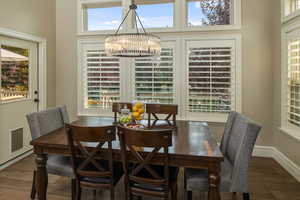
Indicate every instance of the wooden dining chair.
{"type": "Point", "coordinates": [154, 110]}
{"type": "Point", "coordinates": [143, 178]}
{"type": "Point", "coordinates": [42, 123]}
{"type": "Point", "coordinates": [90, 172]}
{"type": "Point", "coordinates": [237, 146]}
{"type": "Point", "coordinates": [117, 107]}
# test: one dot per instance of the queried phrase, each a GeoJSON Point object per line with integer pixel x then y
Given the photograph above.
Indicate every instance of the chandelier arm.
{"type": "Point", "coordinates": [122, 21]}
{"type": "Point", "coordinates": [137, 16]}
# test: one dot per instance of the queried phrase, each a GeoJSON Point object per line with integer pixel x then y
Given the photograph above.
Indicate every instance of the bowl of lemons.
{"type": "Point", "coordinates": [138, 111]}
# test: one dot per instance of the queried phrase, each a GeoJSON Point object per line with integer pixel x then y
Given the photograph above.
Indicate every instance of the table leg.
{"type": "Point", "coordinates": [41, 182]}
{"type": "Point", "coordinates": [214, 183]}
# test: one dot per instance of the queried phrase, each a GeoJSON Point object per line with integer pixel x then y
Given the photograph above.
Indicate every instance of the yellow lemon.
{"type": "Point", "coordinates": [139, 118]}
{"type": "Point", "coordinates": [134, 109]}
{"type": "Point", "coordinates": [139, 105]}
{"type": "Point", "coordinates": [141, 110]}
{"type": "Point", "coordinates": [135, 115]}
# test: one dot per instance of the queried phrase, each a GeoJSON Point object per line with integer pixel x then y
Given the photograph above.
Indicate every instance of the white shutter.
{"type": "Point", "coordinates": [293, 84]}
{"type": "Point", "coordinates": [211, 77]}
{"type": "Point", "coordinates": [102, 79]}
{"type": "Point", "coordinates": [154, 77]}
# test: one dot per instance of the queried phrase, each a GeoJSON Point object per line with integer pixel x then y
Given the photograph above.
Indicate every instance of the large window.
{"type": "Point", "coordinates": [102, 78]}
{"type": "Point", "coordinates": [154, 78]}
{"type": "Point", "coordinates": [290, 9]}
{"type": "Point", "coordinates": [209, 12]}
{"type": "Point", "coordinates": [103, 16]}
{"type": "Point", "coordinates": [290, 122]}
{"type": "Point", "coordinates": [201, 75]}
{"type": "Point", "coordinates": [156, 14]}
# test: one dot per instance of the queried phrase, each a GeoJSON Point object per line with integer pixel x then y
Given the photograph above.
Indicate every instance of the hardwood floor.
{"type": "Point", "coordinates": [267, 181]}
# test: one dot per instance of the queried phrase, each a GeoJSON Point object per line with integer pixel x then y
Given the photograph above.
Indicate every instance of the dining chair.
{"type": "Point", "coordinates": [143, 178]}
{"type": "Point", "coordinates": [154, 110]}
{"type": "Point", "coordinates": [117, 107]}
{"type": "Point", "coordinates": [237, 145]}
{"type": "Point", "coordinates": [42, 123]}
{"type": "Point", "coordinates": [90, 172]}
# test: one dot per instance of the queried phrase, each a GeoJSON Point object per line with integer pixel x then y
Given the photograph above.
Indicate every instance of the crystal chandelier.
{"type": "Point", "coordinates": [139, 44]}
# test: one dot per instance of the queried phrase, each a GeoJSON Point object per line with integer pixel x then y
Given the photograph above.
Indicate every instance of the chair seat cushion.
{"type": "Point", "coordinates": [173, 173]}
{"type": "Point", "coordinates": [118, 173]}
{"type": "Point", "coordinates": [197, 179]}
{"type": "Point", "coordinates": [59, 165]}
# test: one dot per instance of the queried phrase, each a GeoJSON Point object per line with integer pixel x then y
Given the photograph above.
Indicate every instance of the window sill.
{"type": "Point", "coordinates": [291, 132]}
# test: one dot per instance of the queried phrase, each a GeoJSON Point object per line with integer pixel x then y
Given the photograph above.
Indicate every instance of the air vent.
{"type": "Point", "coordinates": [16, 140]}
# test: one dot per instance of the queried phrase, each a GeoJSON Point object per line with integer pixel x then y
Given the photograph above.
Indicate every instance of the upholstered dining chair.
{"type": "Point", "coordinates": [237, 145]}
{"type": "Point", "coordinates": [91, 172]}
{"type": "Point", "coordinates": [143, 178]}
{"type": "Point", "coordinates": [42, 123]}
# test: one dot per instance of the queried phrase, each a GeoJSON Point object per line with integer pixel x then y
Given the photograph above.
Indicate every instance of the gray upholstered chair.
{"type": "Point", "coordinates": [42, 123]}
{"type": "Point", "coordinates": [237, 145]}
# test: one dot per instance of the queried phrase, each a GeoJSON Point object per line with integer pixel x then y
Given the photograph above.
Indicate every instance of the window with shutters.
{"type": "Point", "coordinates": [211, 78]}
{"type": "Point", "coordinates": [293, 83]}
{"type": "Point", "coordinates": [290, 9]}
{"type": "Point", "coordinates": [154, 78]}
{"type": "Point", "coordinates": [102, 78]}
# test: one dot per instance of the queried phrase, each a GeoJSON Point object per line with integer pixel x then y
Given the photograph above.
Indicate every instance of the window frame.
{"type": "Point", "coordinates": [288, 33]}
{"type": "Point", "coordinates": [179, 18]}
{"type": "Point", "coordinates": [287, 13]}
{"type": "Point", "coordinates": [127, 87]}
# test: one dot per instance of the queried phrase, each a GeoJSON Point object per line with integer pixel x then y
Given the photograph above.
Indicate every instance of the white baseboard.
{"type": "Point", "coordinates": [283, 160]}
{"type": "Point", "coordinates": [14, 160]}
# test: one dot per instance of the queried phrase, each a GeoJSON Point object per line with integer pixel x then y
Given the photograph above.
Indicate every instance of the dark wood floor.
{"type": "Point", "coordinates": [268, 181]}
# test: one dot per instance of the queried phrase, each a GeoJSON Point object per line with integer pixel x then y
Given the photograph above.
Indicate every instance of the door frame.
{"type": "Point", "coordinates": [41, 64]}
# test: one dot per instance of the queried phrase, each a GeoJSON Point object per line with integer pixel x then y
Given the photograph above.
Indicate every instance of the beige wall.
{"type": "Point", "coordinates": [35, 17]}
{"type": "Point", "coordinates": [66, 55]}
{"type": "Point", "coordinates": [283, 142]}
{"type": "Point", "coordinates": [259, 21]}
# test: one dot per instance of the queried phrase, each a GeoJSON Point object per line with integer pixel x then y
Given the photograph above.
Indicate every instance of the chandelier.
{"type": "Point", "coordinates": [139, 44]}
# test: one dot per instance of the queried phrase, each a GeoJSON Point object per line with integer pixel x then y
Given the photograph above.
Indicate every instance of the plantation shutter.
{"type": "Point", "coordinates": [293, 91]}
{"type": "Point", "coordinates": [154, 78]}
{"type": "Point", "coordinates": [211, 76]}
{"type": "Point", "coordinates": [102, 78]}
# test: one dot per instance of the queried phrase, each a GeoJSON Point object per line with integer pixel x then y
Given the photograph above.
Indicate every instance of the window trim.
{"type": "Point", "coordinates": [286, 35]}
{"type": "Point", "coordinates": [179, 19]}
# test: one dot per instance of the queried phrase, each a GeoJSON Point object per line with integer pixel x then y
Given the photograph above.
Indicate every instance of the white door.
{"type": "Point", "coordinates": [18, 83]}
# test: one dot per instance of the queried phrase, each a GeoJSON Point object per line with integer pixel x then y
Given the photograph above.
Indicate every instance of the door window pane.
{"type": "Point", "coordinates": [159, 15]}
{"type": "Point", "coordinates": [14, 73]}
{"type": "Point", "coordinates": [104, 18]}
{"type": "Point", "coordinates": [208, 12]}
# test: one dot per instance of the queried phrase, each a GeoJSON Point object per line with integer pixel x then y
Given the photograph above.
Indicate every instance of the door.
{"type": "Point", "coordinates": [18, 83]}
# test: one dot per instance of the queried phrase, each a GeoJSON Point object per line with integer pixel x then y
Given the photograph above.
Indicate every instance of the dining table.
{"type": "Point", "coordinates": [193, 146]}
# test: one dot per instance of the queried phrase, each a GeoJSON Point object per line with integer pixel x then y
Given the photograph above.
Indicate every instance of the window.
{"type": "Point", "coordinates": [157, 14]}
{"type": "Point", "coordinates": [209, 12]}
{"type": "Point", "coordinates": [290, 9]}
{"type": "Point", "coordinates": [293, 83]}
{"type": "Point", "coordinates": [102, 78]}
{"type": "Point", "coordinates": [211, 77]}
{"type": "Point", "coordinates": [154, 78]}
{"type": "Point", "coordinates": [14, 73]}
{"type": "Point", "coordinates": [107, 17]}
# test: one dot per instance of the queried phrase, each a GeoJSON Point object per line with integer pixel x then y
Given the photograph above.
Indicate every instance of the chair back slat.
{"type": "Point", "coordinates": [84, 159]}
{"type": "Point", "coordinates": [154, 110]}
{"type": "Point", "coordinates": [159, 141]}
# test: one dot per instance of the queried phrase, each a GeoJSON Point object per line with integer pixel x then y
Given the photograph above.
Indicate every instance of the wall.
{"type": "Point", "coordinates": [66, 55]}
{"type": "Point", "coordinates": [35, 17]}
{"type": "Point", "coordinates": [283, 142]}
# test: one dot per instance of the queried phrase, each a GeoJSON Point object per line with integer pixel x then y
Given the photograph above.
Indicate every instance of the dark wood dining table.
{"type": "Point", "coordinates": [193, 147]}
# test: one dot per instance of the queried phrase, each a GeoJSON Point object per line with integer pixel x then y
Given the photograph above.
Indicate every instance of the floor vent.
{"type": "Point", "coordinates": [16, 140]}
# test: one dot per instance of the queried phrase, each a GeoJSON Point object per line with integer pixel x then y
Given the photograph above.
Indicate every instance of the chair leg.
{"type": "Point", "coordinates": [246, 196]}
{"type": "Point", "coordinates": [94, 194]}
{"type": "Point", "coordinates": [112, 194]}
{"type": "Point", "coordinates": [174, 189]}
{"type": "Point", "coordinates": [73, 189]}
{"type": "Point", "coordinates": [234, 196]}
{"type": "Point", "coordinates": [189, 195]}
{"type": "Point", "coordinates": [33, 190]}
{"type": "Point", "coordinates": [78, 190]}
